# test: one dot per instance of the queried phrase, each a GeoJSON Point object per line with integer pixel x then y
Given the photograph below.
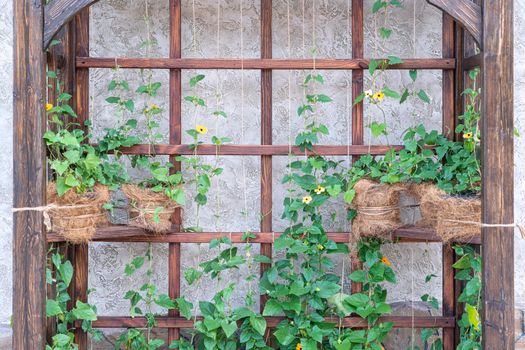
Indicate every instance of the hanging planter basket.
{"type": "Point", "coordinates": [378, 209]}
{"type": "Point", "coordinates": [452, 217]}
{"type": "Point", "coordinates": [76, 216]}
{"type": "Point", "coordinates": [149, 210]}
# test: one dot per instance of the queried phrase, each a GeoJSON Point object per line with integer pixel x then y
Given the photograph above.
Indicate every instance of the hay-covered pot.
{"type": "Point", "coordinates": [76, 216]}
{"type": "Point", "coordinates": [149, 210]}
{"type": "Point", "coordinates": [378, 209]}
{"type": "Point", "coordinates": [452, 217]}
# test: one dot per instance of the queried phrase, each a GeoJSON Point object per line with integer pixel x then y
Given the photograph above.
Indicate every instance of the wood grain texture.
{"type": "Point", "coordinates": [266, 133]}
{"type": "Point", "coordinates": [358, 128]}
{"type": "Point", "coordinates": [29, 237]}
{"type": "Point", "coordinates": [258, 150]}
{"type": "Point", "coordinates": [465, 12]}
{"type": "Point", "coordinates": [81, 100]}
{"type": "Point", "coordinates": [121, 233]}
{"type": "Point", "coordinates": [498, 175]}
{"type": "Point", "coordinates": [175, 132]}
{"type": "Point", "coordinates": [59, 12]}
{"type": "Point", "coordinates": [256, 63]}
{"type": "Point", "coordinates": [348, 322]}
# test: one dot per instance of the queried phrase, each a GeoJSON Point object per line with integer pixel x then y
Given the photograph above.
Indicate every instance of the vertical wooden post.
{"type": "Point", "coordinates": [498, 175]}
{"type": "Point", "coordinates": [81, 255]}
{"type": "Point", "coordinates": [448, 126]}
{"type": "Point", "coordinates": [357, 109]}
{"type": "Point", "coordinates": [29, 237]}
{"type": "Point", "coordinates": [176, 139]}
{"type": "Point", "coordinates": [266, 131]}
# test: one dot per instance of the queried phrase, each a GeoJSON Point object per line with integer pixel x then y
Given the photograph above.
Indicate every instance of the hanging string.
{"type": "Point", "coordinates": [218, 102]}
{"type": "Point", "coordinates": [348, 87]}
{"type": "Point", "coordinates": [243, 159]}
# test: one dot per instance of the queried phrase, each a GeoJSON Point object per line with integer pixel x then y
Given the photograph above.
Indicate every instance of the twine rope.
{"type": "Point", "coordinates": [45, 209]}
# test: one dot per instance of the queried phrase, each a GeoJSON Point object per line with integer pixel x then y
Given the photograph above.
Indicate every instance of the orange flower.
{"type": "Point", "coordinates": [298, 346]}
{"type": "Point", "coordinates": [385, 261]}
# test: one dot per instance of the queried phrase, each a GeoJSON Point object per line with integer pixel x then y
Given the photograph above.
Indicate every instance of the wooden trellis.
{"type": "Point", "coordinates": [487, 22]}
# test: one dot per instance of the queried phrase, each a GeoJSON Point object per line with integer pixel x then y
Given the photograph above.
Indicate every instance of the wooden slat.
{"type": "Point", "coordinates": [255, 64]}
{"type": "Point", "coordinates": [348, 322]}
{"type": "Point", "coordinates": [257, 150]}
{"type": "Point", "coordinates": [465, 12]}
{"type": "Point", "coordinates": [449, 126]}
{"type": "Point", "coordinates": [498, 175]}
{"type": "Point", "coordinates": [472, 62]}
{"type": "Point", "coordinates": [29, 237]}
{"type": "Point", "coordinates": [121, 233]}
{"type": "Point", "coordinates": [358, 128]}
{"type": "Point", "coordinates": [80, 262]}
{"type": "Point", "coordinates": [266, 134]}
{"type": "Point", "coordinates": [175, 102]}
{"type": "Point", "coordinates": [58, 12]}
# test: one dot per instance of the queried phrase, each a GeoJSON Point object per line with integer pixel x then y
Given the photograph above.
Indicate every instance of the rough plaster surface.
{"type": "Point", "coordinates": [117, 29]}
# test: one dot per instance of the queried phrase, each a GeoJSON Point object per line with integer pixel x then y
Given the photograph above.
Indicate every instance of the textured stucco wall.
{"type": "Point", "coordinates": [117, 28]}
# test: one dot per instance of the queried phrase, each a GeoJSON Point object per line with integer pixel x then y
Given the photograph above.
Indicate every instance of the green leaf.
{"type": "Point", "coordinates": [53, 308]}
{"type": "Point", "coordinates": [92, 161]}
{"type": "Point", "coordinates": [66, 272]}
{"type": "Point", "coordinates": [195, 80]}
{"type": "Point", "coordinates": [83, 311]}
{"type": "Point", "coordinates": [272, 308]}
{"type": "Point", "coordinates": [165, 301]}
{"type": "Point", "coordinates": [258, 323]}
{"type": "Point", "coordinates": [473, 316]}
{"type": "Point", "coordinates": [358, 276]}
{"type": "Point", "coordinates": [229, 328]}
{"type": "Point", "coordinates": [394, 60]}
{"type": "Point", "coordinates": [372, 66]}
{"type": "Point", "coordinates": [423, 96]}
{"type": "Point", "coordinates": [413, 74]}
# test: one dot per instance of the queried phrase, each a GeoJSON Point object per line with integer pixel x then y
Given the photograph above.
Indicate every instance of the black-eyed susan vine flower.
{"type": "Point", "coordinates": [320, 189]}
{"type": "Point", "coordinates": [386, 261]}
{"type": "Point", "coordinates": [379, 96]}
{"type": "Point", "coordinates": [49, 106]}
{"type": "Point", "coordinates": [307, 199]}
{"type": "Point", "coordinates": [468, 135]}
{"type": "Point", "coordinates": [298, 346]}
{"type": "Point", "coordinates": [201, 129]}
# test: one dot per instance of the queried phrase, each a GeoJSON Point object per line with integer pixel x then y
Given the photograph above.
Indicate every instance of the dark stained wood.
{"type": "Point", "coordinates": [175, 93]}
{"type": "Point", "coordinates": [121, 233]}
{"type": "Point", "coordinates": [459, 76]}
{"type": "Point", "coordinates": [255, 63]}
{"type": "Point", "coordinates": [358, 129]}
{"type": "Point", "coordinates": [258, 150]}
{"type": "Point", "coordinates": [266, 133]}
{"type": "Point", "coordinates": [29, 237]}
{"type": "Point", "coordinates": [449, 126]}
{"type": "Point", "coordinates": [81, 99]}
{"type": "Point", "coordinates": [498, 175]}
{"type": "Point", "coordinates": [472, 62]}
{"type": "Point", "coordinates": [465, 12]}
{"type": "Point", "coordinates": [58, 12]}
{"type": "Point", "coordinates": [348, 322]}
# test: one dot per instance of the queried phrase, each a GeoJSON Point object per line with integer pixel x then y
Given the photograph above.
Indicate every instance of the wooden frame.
{"type": "Point", "coordinates": [490, 24]}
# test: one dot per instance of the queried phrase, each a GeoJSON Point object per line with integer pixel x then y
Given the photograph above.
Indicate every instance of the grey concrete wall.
{"type": "Point", "coordinates": [117, 29]}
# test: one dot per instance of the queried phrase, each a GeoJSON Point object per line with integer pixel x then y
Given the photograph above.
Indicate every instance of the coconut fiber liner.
{"type": "Point", "coordinates": [378, 210]}
{"type": "Point", "coordinates": [143, 205]}
{"type": "Point", "coordinates": [76, 216]}
{"type": "Point", "coordinates": [452, 217]}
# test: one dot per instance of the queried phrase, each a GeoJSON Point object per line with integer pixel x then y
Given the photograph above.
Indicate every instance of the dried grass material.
{"type": "Point", "coordinates": [76, 216]}
{"type": "Point", "coordinates": [378, 210]}
{"type": "Point", "coordinates": [452, 217]}
{"type": "Point", "coordinates": [143, 205]}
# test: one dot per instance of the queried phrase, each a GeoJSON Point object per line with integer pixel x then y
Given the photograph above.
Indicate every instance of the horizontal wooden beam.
{"type": "Point", "coordinates": [59, 12]}
{"type": "Point", "coordinates": [465, 12]}
{"type": "Point", "coordinates": [257, 150]}
{"type": "Point", "coordinates": [256, 63]}
{"type": "Point", "coordinates": [348, 322]}
{"type": "Point", "coordinates": [121, 233]}
{"type": "Point", "coordinates": [472, 62]}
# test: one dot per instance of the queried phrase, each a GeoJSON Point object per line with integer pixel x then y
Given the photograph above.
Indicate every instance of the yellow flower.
{"type": "Point", "coordinates": [382, 347]}
{"type": "Point", "coordinates": [379, 96]}
{"type": "Point", "coordinates": [201, 129]}
{"type": "Point", "coordinates": [467, 135]}
{"type": "Point", "coordinates": [385, 261]}
{"type": "Point", "coordinates": [320, 189]}
{"type": "Point", "coordinates": [298, 346]}
{"type": "Point", "coordinates": [49, 106]}
{"type": "Point", "coordinates": [307, 199]}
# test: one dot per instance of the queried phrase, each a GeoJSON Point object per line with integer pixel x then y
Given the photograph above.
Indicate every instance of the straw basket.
{"type": "Point", "coordinates": [76, 216]}
{"type": "Point", "coordinates": [149, 210]}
